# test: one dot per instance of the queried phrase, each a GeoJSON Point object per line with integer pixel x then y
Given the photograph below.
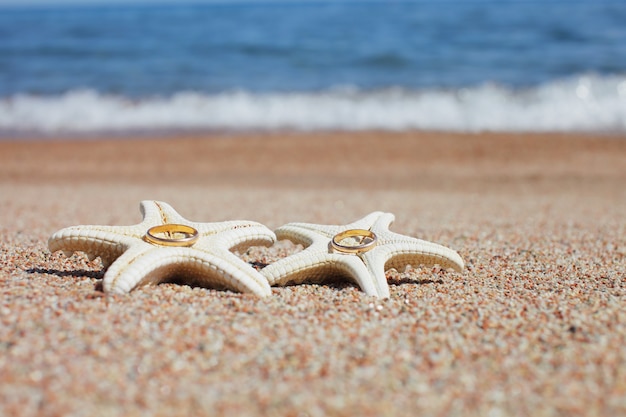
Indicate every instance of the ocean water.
{"type": "Point", "coordinates": [459, 65]}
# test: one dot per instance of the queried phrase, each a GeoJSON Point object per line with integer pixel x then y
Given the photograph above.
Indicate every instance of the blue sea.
{"type": "Point", "coordinates": [514, 66]}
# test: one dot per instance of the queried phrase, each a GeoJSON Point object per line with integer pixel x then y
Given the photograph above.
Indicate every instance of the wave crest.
{"type": "Point", "coordinates": [585, 103]}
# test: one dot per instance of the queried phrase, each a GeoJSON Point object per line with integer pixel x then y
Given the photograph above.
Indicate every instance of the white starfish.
{"type": "Point", "coordinates": [135, 262]}
{"type": "Point", "coordinates": [319, 260]}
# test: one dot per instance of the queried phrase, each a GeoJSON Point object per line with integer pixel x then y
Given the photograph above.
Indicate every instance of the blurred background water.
{"type": "Point", "coordinates": [437, 65]}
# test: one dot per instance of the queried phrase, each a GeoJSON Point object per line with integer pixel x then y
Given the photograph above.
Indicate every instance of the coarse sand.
{"type": "Point", "coordinates": [534, 326]}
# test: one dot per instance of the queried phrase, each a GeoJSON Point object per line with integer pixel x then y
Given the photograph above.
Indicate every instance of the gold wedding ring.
{"type": "Point", "coordinates": [190, 235]}
{"type": "Point", "coordinates": [366, 243]}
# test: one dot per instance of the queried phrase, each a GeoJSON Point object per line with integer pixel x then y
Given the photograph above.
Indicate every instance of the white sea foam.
{"type": "Point", "coordinates": [585, 103]}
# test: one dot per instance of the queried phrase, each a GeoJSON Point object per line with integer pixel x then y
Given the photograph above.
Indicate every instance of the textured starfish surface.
{"type": "Point", "coordinates": [132, 261]}
{"type": "Point", "coordinates": [319, 260]}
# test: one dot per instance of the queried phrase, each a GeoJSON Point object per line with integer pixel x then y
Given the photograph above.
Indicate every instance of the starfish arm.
{"type": "Point", "coordinates": [140, 266]}
{"type": "Point", "coordinates": [317, 266]}
{"type": "Point", "coordinates": [404, 250]}
{"type": "Point", "coordinates": [102, 241]}
{"type": "Point", "coordinates": [424, 253]}
{"type": "Point", "coordinates": [158, 212]}
{"type": "Point", "coordinates": [368, 222]}
{"type": "Point", "coordinates": [108, 242]}
{"type": "Point", "coordinates": [244, 235]}
{"type": "Point", "coordinates": [375, 261]}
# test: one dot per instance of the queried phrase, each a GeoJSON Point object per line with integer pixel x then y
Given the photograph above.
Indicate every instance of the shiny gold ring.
{"type": "Point", "coordinates": [367, 242]}
{"type": "Point", "coordinates": [190, 235]}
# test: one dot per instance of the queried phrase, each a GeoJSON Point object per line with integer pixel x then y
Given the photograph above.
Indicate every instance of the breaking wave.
{"type": "Point", "coordinates": [581, 104]}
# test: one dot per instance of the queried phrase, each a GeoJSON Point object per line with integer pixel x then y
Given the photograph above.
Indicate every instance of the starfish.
{"type": "Point", "coordinates": [135, 257]}
{"type": "Point", "coordinates": [321, 259]}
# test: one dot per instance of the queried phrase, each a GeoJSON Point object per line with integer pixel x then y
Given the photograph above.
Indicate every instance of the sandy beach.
{"type": "Point", "coordinates": [534, 326]}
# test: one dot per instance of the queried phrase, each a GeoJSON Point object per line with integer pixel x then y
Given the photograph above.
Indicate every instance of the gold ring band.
{"type": "Point", "coordinates": [367, 243]}
{"type": "Point", "coordinates": [191, 235]}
